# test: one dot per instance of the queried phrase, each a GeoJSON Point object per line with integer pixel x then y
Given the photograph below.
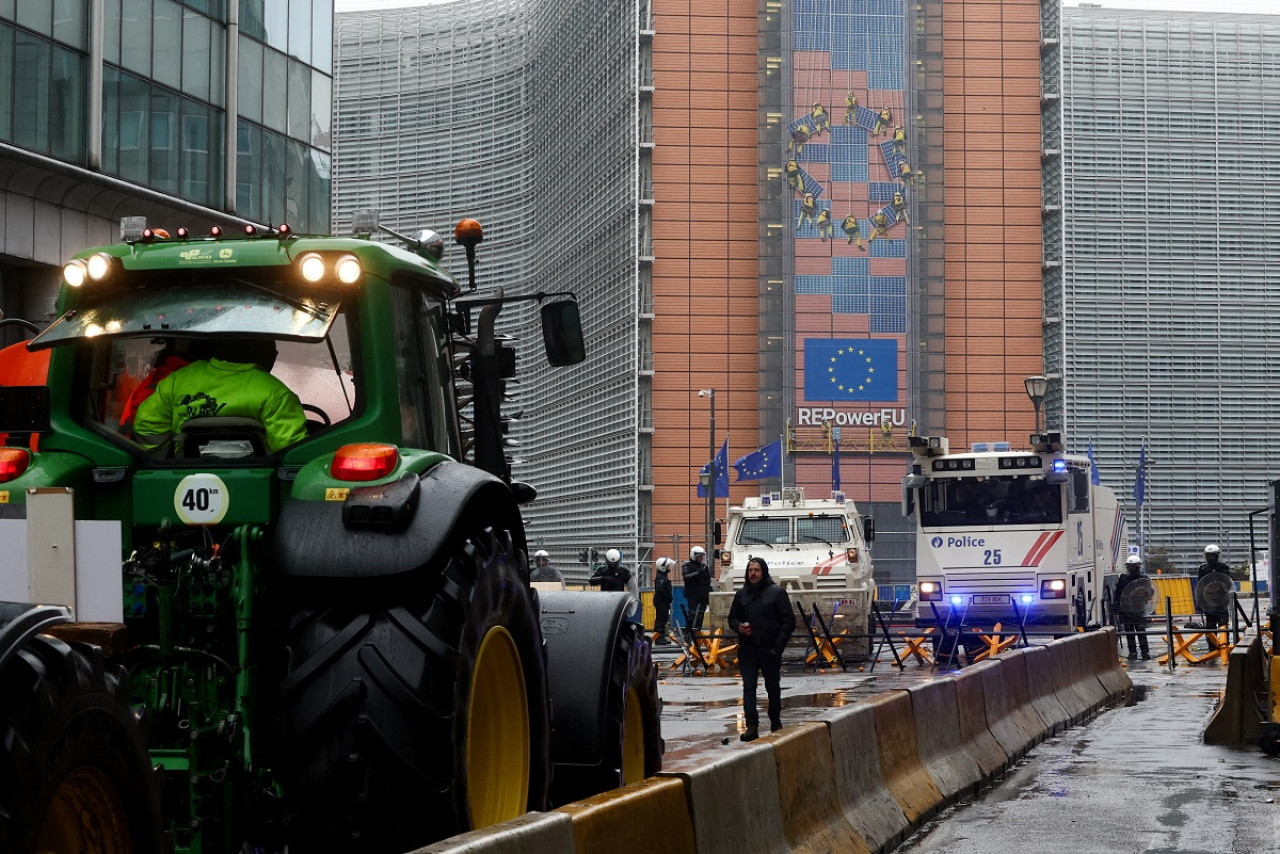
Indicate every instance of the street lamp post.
{"type": "Point", "coordinates": [1036, 388]}
{"type": "Point", "coordinates": [710, 485]}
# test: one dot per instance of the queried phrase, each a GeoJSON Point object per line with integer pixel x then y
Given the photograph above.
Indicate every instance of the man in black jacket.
{"type": "Point", "coordinates": [761, 615]}
{"type": "Point", "coordinates": [662, 598]}
{"type": "Point", "coordinates": [1133, 624]}
{"type": "Point", "coordinates": [697, 587]}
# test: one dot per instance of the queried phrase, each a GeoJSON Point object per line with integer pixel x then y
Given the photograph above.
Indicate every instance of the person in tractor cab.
{"type": "Point", "coordinates": [234, 382]}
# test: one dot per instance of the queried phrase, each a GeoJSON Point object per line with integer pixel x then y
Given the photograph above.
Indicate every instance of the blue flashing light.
{"type": "Point", "coordinates": [1059, 465]}
{"type": "Point", "coordinates": [1026, 598]}
{"type": "Point", "coordinates": [957, 600]}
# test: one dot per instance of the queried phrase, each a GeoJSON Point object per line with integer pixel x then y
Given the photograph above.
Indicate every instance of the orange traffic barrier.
{"type": "Point", "coordinates": [811, 814]}
{"type": "Point", "coordinates": [1219, 642]}
{"type": "Point", "coordinates": [995, 643]}
{"type": "Point", "coordinates": [904, 773]}
{"type": "Point", "coordinates": [975, 733]}
{"type": "Point", "coordinates": [868, 805]}
{"type": "Point", "coordinates": [938, 739]}
{"type": "Point", "coordinates": [652, 815]}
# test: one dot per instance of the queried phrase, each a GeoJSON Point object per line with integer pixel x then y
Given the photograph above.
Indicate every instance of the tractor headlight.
{"type": "Point", "coordinates": [311, 266]}
{"type": "Point", "coordinates": [348, 269]}
{"type": "Point", "coordinates": [75, 273]}
{"type": "Point", "coordinates": [99, 266]}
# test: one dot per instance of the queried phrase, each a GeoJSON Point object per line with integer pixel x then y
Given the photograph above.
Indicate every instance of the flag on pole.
{"type": "Point", "coordinates": [722, 473]}
{"type": "Point", "coordinates": [1094, 477]}
{"type": "Point", "coordinates": [757, 465]}
{"type": "Point", "coordinates": [835, 466]}
{"type": "Point", "coordinates": [1140, 484]}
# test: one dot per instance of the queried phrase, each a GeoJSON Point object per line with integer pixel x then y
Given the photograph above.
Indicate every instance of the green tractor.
{"type": "Point", "coordinates": [326, 644]}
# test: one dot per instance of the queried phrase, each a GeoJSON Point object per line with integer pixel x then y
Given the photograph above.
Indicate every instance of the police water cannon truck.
{"type": "Point", "coordinates": [1011, 536]}
{"type": "Point", "coordinates": [219, 644]}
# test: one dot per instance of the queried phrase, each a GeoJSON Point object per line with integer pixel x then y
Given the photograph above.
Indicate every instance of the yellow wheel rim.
{"type": "Point", "coordinates": [497, 740]}
{"type": "Point", "coordinates": [85, 815]}
{"type": "Point", "coordinates": [632, 740]}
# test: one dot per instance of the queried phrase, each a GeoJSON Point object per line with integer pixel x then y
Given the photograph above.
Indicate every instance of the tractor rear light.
{"type": "Point", "coordinates": [930, 591]}
{"type": "Point", "coordinates": [13, 462]}
{"type": "Point", "coordinates": [1053, 589]}
{"type": "Point", "coordinates": [364, 461]}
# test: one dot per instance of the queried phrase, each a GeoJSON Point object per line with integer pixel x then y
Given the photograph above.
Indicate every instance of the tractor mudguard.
{"type": "Point", "coordinates": [21, 620]}
{"type": "Point", "coordinates": [313, 541]}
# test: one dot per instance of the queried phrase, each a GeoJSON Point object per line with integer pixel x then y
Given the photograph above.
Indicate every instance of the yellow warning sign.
{"type": "Point", "coordinates": [4, 497]}
{"type": "Point", "coordinates": [336, 493]}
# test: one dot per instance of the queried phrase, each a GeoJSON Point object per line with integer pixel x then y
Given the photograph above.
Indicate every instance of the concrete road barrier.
{"type": "Point", "coordinates": [975, 733]}
{"type": "Point", "coordinates": [1105, 664]}
{"type": "Point", "coordinates": [904, 773]}
{"type": "Point", "coordinates": [938, 739]}
{"type": "Point", "coordinates": [867, 803]}
{"type": "Point", "coordinates": [1027, 681]}
{"type": "Point", "coordinates": [1075, 650]}
{"type": "Point", "coordinates": [811, 815]}
{"type": "Point", "coordinates": [733, 799]}
{"type": "Point", "coordinates": [531, 833]}
{"type": "Point", "coordinates": [652, 815]}
{"type": "Point", "coordinates": [1059, 669]}
{"type": "Point", "coordinates": [1007, 726]}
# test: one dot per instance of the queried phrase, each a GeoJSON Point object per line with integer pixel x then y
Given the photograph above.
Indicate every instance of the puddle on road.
{"type": "Point", "coordinates": [823, 700]}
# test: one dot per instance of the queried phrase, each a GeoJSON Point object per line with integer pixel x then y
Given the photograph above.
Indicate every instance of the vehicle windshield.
{"type": "Point", "coordinates": [776, 530]}
{"type": "Point", "coordinates": [225, 306]}
{"type": "Point", "coordinates": [123, 371]}
{"type": "Point", "coordinates": [949, 502]}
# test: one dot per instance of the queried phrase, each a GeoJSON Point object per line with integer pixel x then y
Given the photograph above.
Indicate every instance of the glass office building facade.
{"type": "Point", "coordinates": [1162, 332]}
{"type": "Point", "coordinates": [189, 112]}
{"type": "Point", "coordinates": [525, 116]}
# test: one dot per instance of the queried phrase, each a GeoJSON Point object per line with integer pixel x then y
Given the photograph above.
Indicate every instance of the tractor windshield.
{"type": "Point", "coordinates": [236, 306]}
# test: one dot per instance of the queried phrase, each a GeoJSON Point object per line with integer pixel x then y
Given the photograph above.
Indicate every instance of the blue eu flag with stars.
{"type": "Point", "coordinates": [757, 465]}
{"type": "Point", "coordinates": [840, 369]}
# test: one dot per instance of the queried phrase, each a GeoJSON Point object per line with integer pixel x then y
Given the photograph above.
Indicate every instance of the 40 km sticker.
{"type": "Point", "coordinates": [201, 499]}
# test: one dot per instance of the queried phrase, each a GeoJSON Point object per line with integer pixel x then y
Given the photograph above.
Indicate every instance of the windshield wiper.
{"type": "Point", "coordinates": [314, 311]}
{"type": "Point", "coordinates": [816, 538]}
{"type": "Point", "coordinates": [745, 539]}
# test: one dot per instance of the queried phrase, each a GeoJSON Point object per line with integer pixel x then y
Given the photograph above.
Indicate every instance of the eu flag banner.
{"type": "Point", "coordinates": [1095, 478]}
{"type": "Point", "coordinates": [757, 465]}
{"type": "Point", "coordinates": [722, 473]}
{"type": "Point", "coordinates": [840, 369]}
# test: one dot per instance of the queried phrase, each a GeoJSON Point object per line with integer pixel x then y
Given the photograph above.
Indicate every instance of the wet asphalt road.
{"type": "Point", "coordinates": [1134, 779]}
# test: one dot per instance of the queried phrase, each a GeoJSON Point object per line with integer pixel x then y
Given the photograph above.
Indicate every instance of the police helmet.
{"type": "Point", "coordinates": [695, 551]}
{"type": "Point", "coordinates": [665, 564]}
{"type": "Point", "coordinates": [541, 554]}
{"type": "Point", "coordinates": [1133, 560]}
{"type": "Point", "coordinates": [1211, 549]}
{"type": "Point", "coordinates": [613, 556]}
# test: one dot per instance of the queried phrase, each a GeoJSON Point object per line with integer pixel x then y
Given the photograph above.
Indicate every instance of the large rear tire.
{"type": "Point", "coordinates": [74, 771]}
{"type": "Point", "coordinates": [414, 708]}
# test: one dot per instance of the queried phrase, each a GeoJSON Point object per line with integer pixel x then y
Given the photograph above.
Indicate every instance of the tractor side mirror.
{"type": "Point", "coordinates": [562, 333]}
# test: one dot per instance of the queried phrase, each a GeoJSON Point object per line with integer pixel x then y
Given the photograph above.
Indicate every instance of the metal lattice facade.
{"type": "Point", "coordinates": [1169, 285]}
{"type": "Point", "coordinates": [526, 116]}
